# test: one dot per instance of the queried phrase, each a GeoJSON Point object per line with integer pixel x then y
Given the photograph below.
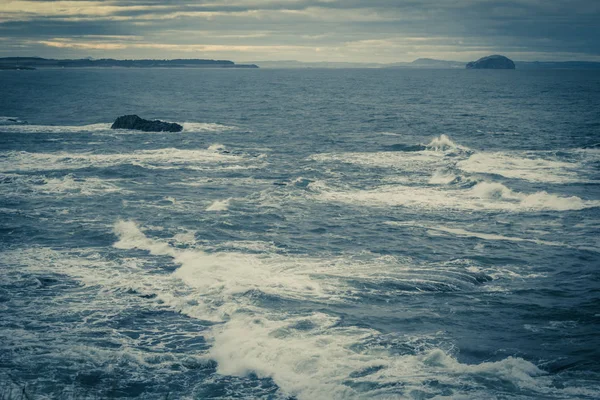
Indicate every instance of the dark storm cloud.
{"type": "Point", "coordinates": [353, 30]}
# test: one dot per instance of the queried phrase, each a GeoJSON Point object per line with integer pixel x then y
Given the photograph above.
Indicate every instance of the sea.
{"type": "Point", "coordinates": [310, 234]}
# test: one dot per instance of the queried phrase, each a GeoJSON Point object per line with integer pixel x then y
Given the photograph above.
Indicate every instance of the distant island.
{"type": "Point", "coordinates": [492, 62]}
{"type": "Point", "coordinates": [37, 62]}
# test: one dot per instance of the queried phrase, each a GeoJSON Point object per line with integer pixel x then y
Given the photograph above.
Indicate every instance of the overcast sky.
{"type": "Point", "coordinates": [383, 31]}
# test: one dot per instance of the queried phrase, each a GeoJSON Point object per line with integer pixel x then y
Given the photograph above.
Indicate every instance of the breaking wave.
{"type": "Point", "coordinates": [444, 143]}
{"type": "Point", "coordinates": [484, 196]}
{"type": "Point", "coordinates": [526, 168]}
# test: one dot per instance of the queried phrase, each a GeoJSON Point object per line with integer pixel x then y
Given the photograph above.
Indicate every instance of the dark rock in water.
{"type": "Point", "coordinates": [492, 62]}
{"type": "Point", "coordinates": [140, 124]}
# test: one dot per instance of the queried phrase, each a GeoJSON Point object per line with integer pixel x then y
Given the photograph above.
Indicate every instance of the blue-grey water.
{"type": "Point", "coordinates": [311, 234]}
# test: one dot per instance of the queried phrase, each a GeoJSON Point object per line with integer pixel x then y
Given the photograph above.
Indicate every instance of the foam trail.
{"type": "Point", "coordinates": [483, 196]}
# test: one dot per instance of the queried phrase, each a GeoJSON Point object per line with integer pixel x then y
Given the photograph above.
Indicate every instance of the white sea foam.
{"type": "Point", "coordinates": [529, 168]}
{"type": "Point", "coordinates": [221, 275]}
{"type": "Point", "coordinates": [444, 143]}
{"type": "Point", "coordinates": [319, 363]}
{"type": "Point", "coordinates": [166, 158]}
{"type": "Point", "coordinates": [205, 127]}
{"type": "Point", "coordinates": [216, 147]}
{"type": "Point", "coordinates": [483, 196]}
{"type": "Point", "coordinates": [219, 205]}
{"type": "Point", "coordinates": [535, 201]}
{"type": "Point", "coordinates": [55, 129]}
{"type": "Point", "coordinates": [186, 237]}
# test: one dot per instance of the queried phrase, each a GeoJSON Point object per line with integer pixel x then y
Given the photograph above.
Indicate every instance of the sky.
{"type": "Point", "coordinates": [373, 31]}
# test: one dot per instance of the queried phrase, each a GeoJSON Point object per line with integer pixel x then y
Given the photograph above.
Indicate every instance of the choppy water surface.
{"type": "Point", "coordinates": [309, 235]}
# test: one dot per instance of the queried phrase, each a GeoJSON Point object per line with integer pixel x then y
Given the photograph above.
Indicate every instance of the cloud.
{"type": "Point", "coordinates": [310, 30]}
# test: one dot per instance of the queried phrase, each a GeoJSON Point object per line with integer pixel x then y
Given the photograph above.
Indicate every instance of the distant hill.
{"type": "Point", "coordinates": [37, 62]}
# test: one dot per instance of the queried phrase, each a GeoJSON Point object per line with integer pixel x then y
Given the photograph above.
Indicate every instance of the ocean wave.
{"type": "Point", "coordinates": [166, 158]}
{"type": "Point", "coordinates": [309, 355]}
{"type": "Point", "coordinates": [443, 154]}
{"type": "Point", "coordinates": [232, 273]}
{"type": "Point", "coordinates": [440, 153]}
{"type": "Point", "coordinates": [533, 169]}
{"type": "Point", "coordinates": [311, 358]}
{"type": "Point", "coordinates": [483, 196]}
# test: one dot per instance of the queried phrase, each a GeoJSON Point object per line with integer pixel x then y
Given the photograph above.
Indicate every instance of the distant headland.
{"type": "Point", "coordinates": [37, 62]}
